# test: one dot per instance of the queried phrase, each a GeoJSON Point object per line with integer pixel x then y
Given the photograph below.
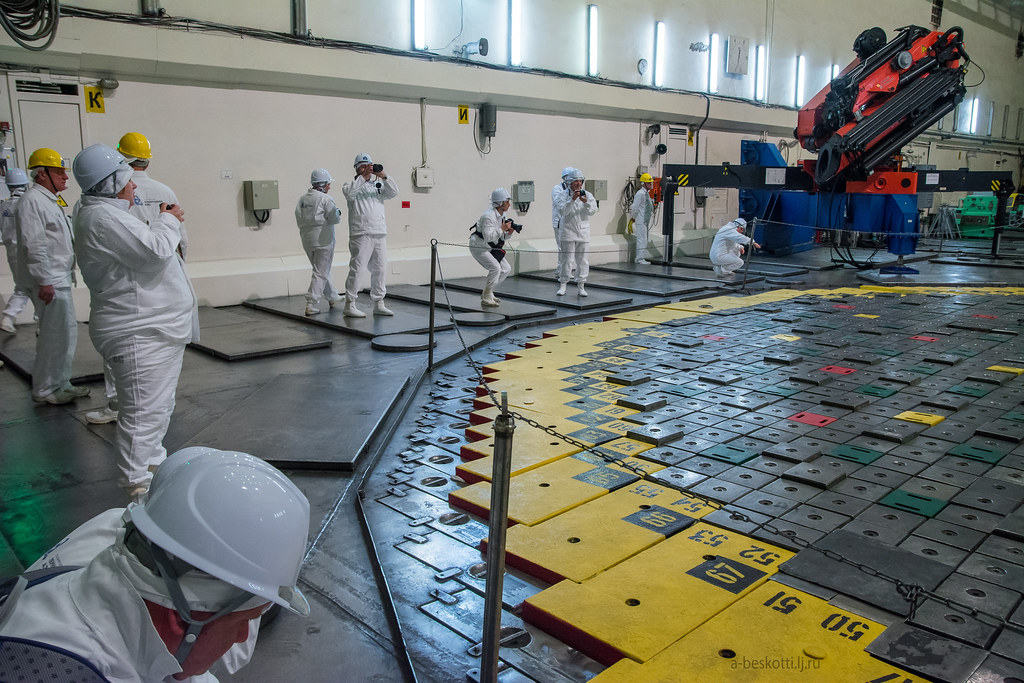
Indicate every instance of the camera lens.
{"type": "Point", "coordinates": [377, 168]}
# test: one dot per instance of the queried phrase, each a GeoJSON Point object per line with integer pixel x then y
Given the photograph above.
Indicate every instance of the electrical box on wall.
{"type": "Point", "coordinates": [523, 192]}
{"type": "Point", "coordinates": [260, 195]}
{"type": "Point", "coordinates": [423, 177]}
{"type": "Point", "coordinates": [598, 188]}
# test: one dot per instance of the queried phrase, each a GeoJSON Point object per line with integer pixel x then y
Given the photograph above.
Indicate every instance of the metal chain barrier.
{"type": "Point", "coordinates": [911, 592]}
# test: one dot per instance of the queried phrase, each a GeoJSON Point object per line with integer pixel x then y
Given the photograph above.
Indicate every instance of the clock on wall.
{"type": "Point", "coordinates": [737, 58]}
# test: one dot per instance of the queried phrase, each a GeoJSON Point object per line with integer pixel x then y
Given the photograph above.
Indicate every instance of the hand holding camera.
{"type": "Point", "coordinates": [510, 227]}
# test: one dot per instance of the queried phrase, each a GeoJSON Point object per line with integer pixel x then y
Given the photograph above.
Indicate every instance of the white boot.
{"type": "Point", "coordinates": [581, 290]}
{"type": "Point", "coordinates": [380, 309]}
{"type": "Point", "coordinates": [561, 290]}
{"type": "Point", "coordinates": [487, 298]}
{"type": "Point", "coordinates": [7, 325]}
{"type": "Point", "coordinates": [311, 309]}
{"type": "Point", "coordinates": [351, 311]}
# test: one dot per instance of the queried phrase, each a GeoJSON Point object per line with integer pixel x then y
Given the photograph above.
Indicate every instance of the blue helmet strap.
{"type": "Point", "coordinates": [170, 574]}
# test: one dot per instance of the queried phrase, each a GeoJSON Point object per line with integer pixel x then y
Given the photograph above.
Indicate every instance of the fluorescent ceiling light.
{"type": "Point", "coordinates": [761, 73]}
{"type": "Point", "coordinates": [801, 66]}
{"type": "Point", "coordinates": [713, 59]}
{"type": "Point", "coordinates": [591, 40]}
{"type": "Point", "coordinates": [419, 29]}
{"type": "Point", "coordinates": [515, 30]}
{"type": "Point", "coordinates": [659, 54]}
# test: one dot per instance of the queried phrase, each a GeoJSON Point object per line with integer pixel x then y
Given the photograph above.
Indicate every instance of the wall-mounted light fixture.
{"type": "Point", "coordinates": [714, 57]}
{"type": "Point", "coordinates": [801, 74]}
{"type": "Point", "coordinates": [835, 71]}
{"type": "Point", "coordinates": [419, 28]}
{"type": "Point", "coordinates": [761, 73]}
{"type": "Point", "coordinates": [515, 33]}
{"type": "Point", "coordinates": [659, 54]}
{"type": "Point", "coordinates": [991, 117]}
{"type": "Point", "coordinates": [591, 40]}
{"type": "Point", "coordinates": [972, 126]}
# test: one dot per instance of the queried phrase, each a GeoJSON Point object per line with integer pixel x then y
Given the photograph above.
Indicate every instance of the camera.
{"type": "Point", "coordinates": [517, 227]}
{"type": "Point", "coordinates": [377, 168]}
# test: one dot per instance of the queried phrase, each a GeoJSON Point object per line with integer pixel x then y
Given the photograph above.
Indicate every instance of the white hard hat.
{"type": "Point", "coordinates": [94, 163]}
{"type": "Point", "coordinates": [16, 177]}
{"type": "Point", "coordinates": [740, 223]}
{"type": "Point", "coordinates": [577, 174]}
{"type": "Point", "coordinates": [567, 171]}
{"type": "Point", "coordinates": [319, 176]}
{"type": "Point", "coordinates": [232, 516]}
{"type": "Point", "coordinates": [362, 159]}
{"type": "Point", "coordinates": [499, 196]}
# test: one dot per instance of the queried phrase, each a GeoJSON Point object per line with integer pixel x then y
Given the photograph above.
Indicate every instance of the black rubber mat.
{"type": "Point", "coordinates": [541, 292]}
{"type": "Point", "coordinates": [631, 284]}
{"type": "Point", "coordinates": [18, 351]}
{"type": "Point", "coordinates": [464, 302]}
{"type": "Point", "coordinates": [671, 273]}
{"type": "Point", "coordinates": [408, 319]}
{"type": "Point", "coordinates": [756, 267]}
{"type": "Point", "coordinates": [234, 337]}
{"type": "Point", "coordinates": [340, 411]}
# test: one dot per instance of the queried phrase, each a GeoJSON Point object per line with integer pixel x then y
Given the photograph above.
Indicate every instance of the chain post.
{"type": "Point", "coordinates": [433, 292]}
{"type": "Point", "coordinates": [501, 468]}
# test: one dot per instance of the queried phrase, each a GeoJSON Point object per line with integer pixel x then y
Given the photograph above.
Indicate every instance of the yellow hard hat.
{"type": "Point", "coordinates": [646, 178]}
{"type": "Point", "coordinates": [135, 146]}
{"type": "Point", "coordinates": [44, 156]}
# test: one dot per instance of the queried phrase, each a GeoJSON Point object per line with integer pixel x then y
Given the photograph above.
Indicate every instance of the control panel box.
{"type": "Point", "coordinates": [523, 192]}
{"type": "Point", "coordinates": [598, 188]}
{"type": "Point", "coordinates": [260, 195]}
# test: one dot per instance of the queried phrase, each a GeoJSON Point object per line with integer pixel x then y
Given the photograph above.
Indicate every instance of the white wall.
{"type": "Point", "coordinates": [212, 103]}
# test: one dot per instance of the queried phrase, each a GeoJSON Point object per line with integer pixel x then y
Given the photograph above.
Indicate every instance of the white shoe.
{"type": "Point", "coordinates": [77, 392]}
{"type": "Point", "coordinates": [57, 398]}
{"type": "Point", "coordinates": [489, 302]}
{"type": "Point", "coordinates": [334, 302]}
{"type": "Point", "coordinates": [380, 309]}
{"type": "Point", "coordinates": [101, 416]}
{"type": "Point", "coordinates": [7, 325]}
{"type": "Point", "coordinates": [561, 290]}
{"type": "Point", "coordinates": [643, 261]}
{"type": "Point", "coordinates": [311, 309]}
{"type": "Point", "coordinates": [581, 290]}
{"type": "Point", "coordinates": [351, 311]}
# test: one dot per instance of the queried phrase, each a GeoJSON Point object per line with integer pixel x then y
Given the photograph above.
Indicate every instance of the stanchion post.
{"type": "Point", "coordinates": [497, 526]}
{"type": "Point", "coordinates": [750, 253]}
{"type": "Point", "coordinates": [433, 291]}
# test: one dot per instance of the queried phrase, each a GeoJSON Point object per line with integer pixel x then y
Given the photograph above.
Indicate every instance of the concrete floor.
{"type": "Point", "coordinates": [58, 471]}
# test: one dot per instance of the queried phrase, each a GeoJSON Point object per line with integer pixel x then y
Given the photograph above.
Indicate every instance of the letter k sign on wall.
{"type": "Point", "coordinates": [94, 100]}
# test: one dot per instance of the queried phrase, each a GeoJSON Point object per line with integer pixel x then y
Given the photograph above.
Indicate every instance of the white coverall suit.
{"type": "Point", "coordinates": [726, 249]}
{"type": "Point", "coordinates": [149, 195]}
{"type": "Point", "coordinates": [489, 225]}
{"type": "Point", "coordinates": [366, 233]}
{"type": "Point", "coordinates": [316, 215]}
{"type": "Point", "coordinates": [9, 236]}
{"type": "Point", "coordinates": [555, 218]}
{"type": "Point", "coordinates": [574, 229]}
{"type": "Point", "coordinates": [641, 211]}
{"type": "Point", "coordinates": [46, 257]}
{"type": "Point", "coordinates": [143, 313]}
{"type": "Point", "coordinates": [81, 547]}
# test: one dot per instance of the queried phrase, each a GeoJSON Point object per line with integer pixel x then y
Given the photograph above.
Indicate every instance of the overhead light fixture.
{"type": "Point", "coordinates": [835, 71]}
{"type": "Point", "coordinates": [515, 32]}
{"type": "Point", "coordinates": [973, 125]}
{"type": "Point", "coordinates": [477, 47]}
{"type": "Point", "coordinates": [991, 117]}
{"type": "Point", "coordinates": [713, 59]}
{"type": "Point", "coordinates": [419, 29]}
{"type": "Point", "coordinates": [761, 73]}
{"type": "Point", "coordinates": [591, 40]}
{"type": "Point", "coordinates": [801, 64]}
{"type": "Point", "coordinates": [659, 54]}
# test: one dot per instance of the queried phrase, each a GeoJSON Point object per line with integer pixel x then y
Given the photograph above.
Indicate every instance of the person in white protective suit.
{"type": "Point", "coordinates": [17, 180]}
{"type": "Point", "coordinates": [487, 241]}
{"type": "Point", "coordinates": [556, 218]}
{"type": "Point", "coordinates": [149, 195]}
{"type": "Point", "coordinates": [366, 233]}
{"type": "Point", "coordinates": [640, 213]}
{"type": "Point", "coordinates": [727, 247]}
{"type": "Point", "coordinates": [46, 263]}
{"type": "Point", "coordinates": [177, 584]}
{"type": "Point", "coordinates": [575, 207]}
{"type": "Point", "coordinates": [316, 214]}
{"type": "Point", "coordinates": [143, 310]}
